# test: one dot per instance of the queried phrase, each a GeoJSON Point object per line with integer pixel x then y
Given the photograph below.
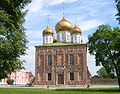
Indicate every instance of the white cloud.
{"type": "Point", "coordinates": [37, 5]}
{"type": "Point", "coordinates": [85, 38]}
{"type": "Point", "coordinates": [35, 43]}
{"type": "Point", "coordinates": [30, 59]}
{"type": "Point", "coordinates": [31, 34]}
{"type": "Point", "coordinates": [91, 64]}
{"type": "Point", "coordinates": [55, 2]}
{"type": "Point", "coordinates": [90, 24]}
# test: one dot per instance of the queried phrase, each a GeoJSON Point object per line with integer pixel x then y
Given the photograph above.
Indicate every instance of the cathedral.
{"type": "Point", "coordinates": [62, 60]}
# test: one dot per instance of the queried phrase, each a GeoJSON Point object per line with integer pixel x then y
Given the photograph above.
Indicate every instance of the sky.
{"type": "Point", "coordinates": [89, 14]}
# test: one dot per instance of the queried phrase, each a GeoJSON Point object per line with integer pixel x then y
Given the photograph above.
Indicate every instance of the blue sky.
{"type": "Point", "coordinates": [89, 14]}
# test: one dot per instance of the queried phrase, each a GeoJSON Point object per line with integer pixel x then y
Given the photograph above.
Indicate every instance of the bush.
{"type": "Point", "coordinates": [28, 84]}
{"type": "Point", "coordinates": [10, 81]}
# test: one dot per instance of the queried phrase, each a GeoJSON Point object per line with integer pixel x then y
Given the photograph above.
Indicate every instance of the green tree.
{"type": "Point", "coordinates": [12, 36]}
{"type": "Point", "coordinates": [118, 9]}
{"type": "Point", "coordinates": [105, 45]}
{"type": "Point", "coordinates": [10, 81]}
{"type": "Point", "coordinates": [102, 73]}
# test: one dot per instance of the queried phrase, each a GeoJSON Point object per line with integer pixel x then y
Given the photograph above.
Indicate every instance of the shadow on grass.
{"type": "Point", "coordinates": [91, 90]}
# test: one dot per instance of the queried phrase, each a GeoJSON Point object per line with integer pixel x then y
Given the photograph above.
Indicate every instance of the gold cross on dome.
{"type": "Point", "coordinates": [63, 9]}
{"type": "Point", "coordinates": [75, 19]}
{"type": "Point", "coordinates": [48, 18]}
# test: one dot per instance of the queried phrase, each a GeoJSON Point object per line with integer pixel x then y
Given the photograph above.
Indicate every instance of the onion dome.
{"type": "Point", "coordinates": [63, 25]}
{"type": "Point", "coordinates": [76, 30]}
{"type": "Point", "coordinates": [48, 30]}
{"type": "Point", "coordinates": [54, 40]}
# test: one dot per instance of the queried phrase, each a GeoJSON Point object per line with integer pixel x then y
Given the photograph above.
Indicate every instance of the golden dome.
{"type": "Point", "coordinates": [48, 30]}
{"type": "Point", "coordinates": [64, 25]}
{"type": "Point", "coordinates": [76, 30]}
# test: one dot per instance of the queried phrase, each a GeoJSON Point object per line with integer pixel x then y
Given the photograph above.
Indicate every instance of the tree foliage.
{"type": "Point", "coordinates": [118, 9]}
{"type": "Point", "coordinates": [105, 45]}
{"type": "Point", "coordinates": [10, 81]}
{"type": "Point", "coordinates": [13, 40]}
{"type": "Point", "coordinates": [103, 73]}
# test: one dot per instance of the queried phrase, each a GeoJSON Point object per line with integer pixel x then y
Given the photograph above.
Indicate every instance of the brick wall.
{"type": "Point", "coordinates": [103, 81]}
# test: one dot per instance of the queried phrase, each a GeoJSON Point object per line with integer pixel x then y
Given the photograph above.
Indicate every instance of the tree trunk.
{"type": "Point", "coordinates": [118, 75]}
{"type": "Point", "coordinates": [119, 82]}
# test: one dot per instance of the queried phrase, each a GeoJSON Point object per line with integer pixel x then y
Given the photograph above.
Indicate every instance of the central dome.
{"type": "Point", "coordinates": [63, 25]}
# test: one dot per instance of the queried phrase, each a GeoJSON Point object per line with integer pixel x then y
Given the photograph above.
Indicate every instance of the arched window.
{"type": "Point", "coordinates": [49, 59]}
{"type": "Point", "coordinates": [72, 38]}
{"type": "Point", "coordinates": [67, 37]}
{"type": "Point", "coordinates": [71, 59]}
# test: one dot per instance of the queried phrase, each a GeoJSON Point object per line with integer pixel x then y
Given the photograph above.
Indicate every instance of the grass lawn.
{"type": "Point", "coordinates": [58, 91]}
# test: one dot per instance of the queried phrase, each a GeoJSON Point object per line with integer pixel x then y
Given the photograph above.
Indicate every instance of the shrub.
{"type": "Point", "coordinates": [10, 81]}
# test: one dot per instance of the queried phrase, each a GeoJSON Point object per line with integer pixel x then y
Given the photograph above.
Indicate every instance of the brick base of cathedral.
{"type": "Point", "coordinates": [64, 65]}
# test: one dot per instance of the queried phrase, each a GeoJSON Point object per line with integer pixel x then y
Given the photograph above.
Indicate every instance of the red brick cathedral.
{"type": "Point", "coordinates": [62, 60]}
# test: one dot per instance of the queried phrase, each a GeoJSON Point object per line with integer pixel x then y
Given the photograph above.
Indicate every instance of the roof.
{"type": "Point", "coordinates": [60, 44]}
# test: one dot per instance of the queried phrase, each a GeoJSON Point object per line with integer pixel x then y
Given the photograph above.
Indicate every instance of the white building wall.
{"type": "Point", "coordinates": [76, 38]}
{"type": "Point", "coordinates": [47, 39]}
{"type": "Point", "coordinates": [64, 36]}
{"type": "Point", "coordinates": [68, 37]}
{"type": "Point", "coordinates": [60, 36]}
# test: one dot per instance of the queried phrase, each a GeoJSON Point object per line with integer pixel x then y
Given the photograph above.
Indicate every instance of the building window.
{"type": "Point", "coordinates": [63, 37]}
{"type": "Point", "coordinates": [71, 59]}
{"type": "Point", "coordinates": [75, 38]}
{"type": "Point", "coordinates": [49, 59]}
{"type": "Point", "coordinates": [46, 40]}
{"type": "Point", "coordinates": [71, 76]}
{"type": "Point", "coordinates": [50, 39]}
{"type": "Point", "coordinates": [72, 38]}
{"type": "Point", "coordinates": [58, 36]}
{"type": "Point", "coordinates": [67, 37]}
{"type": "Point", "coordinates": [49, 76]}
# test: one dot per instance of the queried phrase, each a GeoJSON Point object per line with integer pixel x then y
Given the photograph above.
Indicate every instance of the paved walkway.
{"type": "Point", "coordinates": [61, 87]}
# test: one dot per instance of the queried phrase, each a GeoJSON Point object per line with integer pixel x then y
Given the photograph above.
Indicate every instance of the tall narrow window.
{"type": "Point", "coordinates": [49, 59]}
{"type": "Point", "coordinates": [58, 37]}
{"type": "Point", "coordinates": [72, 38]}
{"type": "Point", "coordinates": [75, 38]}
{"type": "Point", "coordinates": [72, 59]}
{"type": "Point", "coordinates": [71, 76]}
{"type": "Point", "coordinates": [67, 37]}
{"type": "Point", "coordinates": [46, 39]}
{"type": "Point", "coordinates": [50, 39]}
{"type": "Point", "coordinates": [49, 76]}
{"type": "Point", "coordinates": [63, 37]}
